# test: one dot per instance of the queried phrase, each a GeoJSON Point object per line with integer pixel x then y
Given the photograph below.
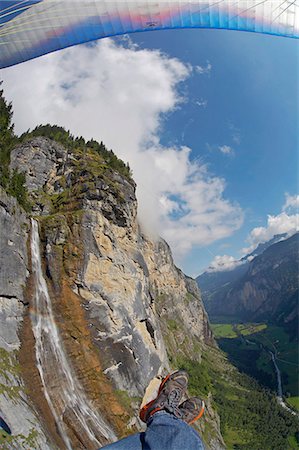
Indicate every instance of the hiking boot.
{"type": "Point", "coordinates": [170, 393]}
{"type": "Point", "coordinates": [192, 409]}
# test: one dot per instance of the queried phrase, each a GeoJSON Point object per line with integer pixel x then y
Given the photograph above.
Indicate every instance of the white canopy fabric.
{"type": "Point", "coordinates": [31, 28]}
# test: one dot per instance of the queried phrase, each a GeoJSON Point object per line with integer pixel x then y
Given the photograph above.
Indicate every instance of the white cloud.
{"type": "Point", "coordinates": [202, 103]}
{"type": "Point", "coordinates": [204, 70]}
{"type": "Point", "coordinates": [291, 202]}
{"type": "Point", "coordinates": [224, 263]}
{"type": "Point", "coordinates": [226, 149]}
{"type": "Point", "coordinates": [283, 223]}
{"type": "Point", "coordinates": [120, 93]}
{"type": "Point", "coordinates": [280, 224]}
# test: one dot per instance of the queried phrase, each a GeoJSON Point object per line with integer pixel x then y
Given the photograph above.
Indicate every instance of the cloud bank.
{"type": "Point", "coordinates": [291, 202]}
{"type": "Point", "coordinates": [224, 263]}
{"type": "Point", "coordinates": [284, 223]}
{"type": "Point", "coordinates": [121, 94]}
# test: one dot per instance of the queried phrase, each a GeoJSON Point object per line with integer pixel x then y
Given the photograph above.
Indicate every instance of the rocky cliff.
{"type": "Point", "coordinates": [123, 312]}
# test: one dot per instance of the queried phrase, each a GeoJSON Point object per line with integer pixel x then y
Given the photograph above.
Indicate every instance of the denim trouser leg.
{"type": "Point", "coordinates": [164, 432]}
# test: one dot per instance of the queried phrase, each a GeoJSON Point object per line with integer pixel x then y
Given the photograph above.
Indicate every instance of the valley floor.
{"type": "Point", "coordinates": [250, 345]}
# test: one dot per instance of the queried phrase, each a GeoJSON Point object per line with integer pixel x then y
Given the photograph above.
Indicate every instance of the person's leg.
{"type": "Point", "coordinates": [163, 415]}
{"type": "Point", "coordinates": [132, 442]}
{"type": "Point", "coordinates": [166, 432]}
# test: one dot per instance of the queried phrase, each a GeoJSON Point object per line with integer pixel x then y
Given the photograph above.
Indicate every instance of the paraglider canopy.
{"type": "Point", "coordinates": [31, 28]}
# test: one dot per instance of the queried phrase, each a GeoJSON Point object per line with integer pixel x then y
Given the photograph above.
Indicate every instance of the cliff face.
{"type": "Point", "coordinates": [121, 306]}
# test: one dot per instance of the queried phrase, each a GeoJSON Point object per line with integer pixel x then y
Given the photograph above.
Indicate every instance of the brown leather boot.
{"type": "Point", "coordinates": [192, 409]}
{"type": "Point", "coordinates": [170, 393]}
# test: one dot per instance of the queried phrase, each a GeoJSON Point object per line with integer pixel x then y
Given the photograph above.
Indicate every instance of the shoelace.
{"type": "Point", "coordinates": [172, 405]}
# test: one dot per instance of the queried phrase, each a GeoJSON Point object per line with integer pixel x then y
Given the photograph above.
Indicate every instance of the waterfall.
{"type": "Point", "coordinates": [62, 390]}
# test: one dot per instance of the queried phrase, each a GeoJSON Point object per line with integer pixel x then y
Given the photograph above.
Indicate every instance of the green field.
{"type": "Point", "coordinates": [277, 340]}
{"type": "Point", "coordinates": [292, 443]}
{"type": "Point", "coordinates": [231, 331]}
{"type": "Point", "coordinates": [293, 402]}
{"type": "Point", "coordinates": [246, 329]}
{"type": "Point", "coordinates": [223, 331]}
{"type": "Point", "coordinates": [248, 346]}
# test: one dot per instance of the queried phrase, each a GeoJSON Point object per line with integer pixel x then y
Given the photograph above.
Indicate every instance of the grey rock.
{"type": "Point", "coordinates": [11, 317]}
{"type": "Point", "coordinates": [14, 227]}
{"type": "Point", "coordinates": [40, 159]}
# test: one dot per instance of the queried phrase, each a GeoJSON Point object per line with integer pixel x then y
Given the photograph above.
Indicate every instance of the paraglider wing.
{"type": "Point", "coordinates": [31, 28]}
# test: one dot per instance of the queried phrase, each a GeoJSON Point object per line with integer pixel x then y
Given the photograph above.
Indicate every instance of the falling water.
{"type": "Point", "coordinates": [62, 390]}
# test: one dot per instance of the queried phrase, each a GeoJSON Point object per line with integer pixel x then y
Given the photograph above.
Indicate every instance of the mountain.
{"type": "Point", "coordinates": [213, 281]}
{"type": "Point", "coordinates": [92, 311]}
{"type": "Point", "coordinates": [122, 309]}
{"type": "Point", "coordinates": [264, 245]}
{"type": "Point", "coordinates": [264, 289]}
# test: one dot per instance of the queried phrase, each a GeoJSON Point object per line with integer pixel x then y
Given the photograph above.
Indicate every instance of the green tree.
{"type": "Point", "coordinates": [16, 188]}
{"type": "Point", "coordinates": [7, 138]}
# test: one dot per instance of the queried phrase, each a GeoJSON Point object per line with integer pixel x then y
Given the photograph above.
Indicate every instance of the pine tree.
{"type": "Point", "coordinates": [6, 138]}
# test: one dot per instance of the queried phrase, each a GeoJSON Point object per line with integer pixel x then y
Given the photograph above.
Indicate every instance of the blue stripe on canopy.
{"type": "Point", "coordinates": [32, 28]}
{"type": "Point", "coordinates": [9, 10]}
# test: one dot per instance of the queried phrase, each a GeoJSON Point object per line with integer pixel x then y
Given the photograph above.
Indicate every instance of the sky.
{"type": "Point", "coordinates": [207, 119]}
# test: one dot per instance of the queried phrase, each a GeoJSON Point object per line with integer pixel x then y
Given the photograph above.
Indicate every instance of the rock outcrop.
{"type": "Point", "coordinates": [122, 307]}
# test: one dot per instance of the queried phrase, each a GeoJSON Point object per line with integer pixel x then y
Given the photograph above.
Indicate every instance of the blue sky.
{"type": "Point", "coordinates": [208, 120]}
{"type": "Point", "coordinates": [251, 95]}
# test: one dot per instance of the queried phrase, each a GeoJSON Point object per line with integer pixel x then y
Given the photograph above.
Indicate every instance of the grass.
{"type": "Point", "coordinates": [223, 331]}
{"type": "Point", "coordinates": [292, 442]}
{"type": "Point", "coordinates": [231, 331]}
{"type": "Point", "coordinates": [188, 298]}
{"type": "Point", "coordinates": [251, 328]}
{"type": "Point", "coordinates": [9, 370]}
{"type": "Point", "coordinates": [19, 440]}
{"type": "Point", "coordinates": [125, 400]}
{"type": "Point", "coordinates": [293, 402]}
{"type": "Point", "coordinates": [172, 325]}
{"type": "Point", "coordinates": [233, 437]}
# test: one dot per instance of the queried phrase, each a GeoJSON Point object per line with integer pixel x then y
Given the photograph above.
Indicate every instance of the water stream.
{"type": "Point", "coordinates": [279, 385]}
{"type": "Point", "coordinates": [62, 390]}
{"type": "Point", "coordinates": [278, 376]}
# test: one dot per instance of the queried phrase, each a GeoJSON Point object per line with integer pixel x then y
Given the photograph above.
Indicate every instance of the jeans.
{"type": "Point", "coordinates": [164, 432]}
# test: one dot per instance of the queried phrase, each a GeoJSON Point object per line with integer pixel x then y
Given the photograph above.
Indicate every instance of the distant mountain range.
{"type": "Point", "coordinates": [264, 288]}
